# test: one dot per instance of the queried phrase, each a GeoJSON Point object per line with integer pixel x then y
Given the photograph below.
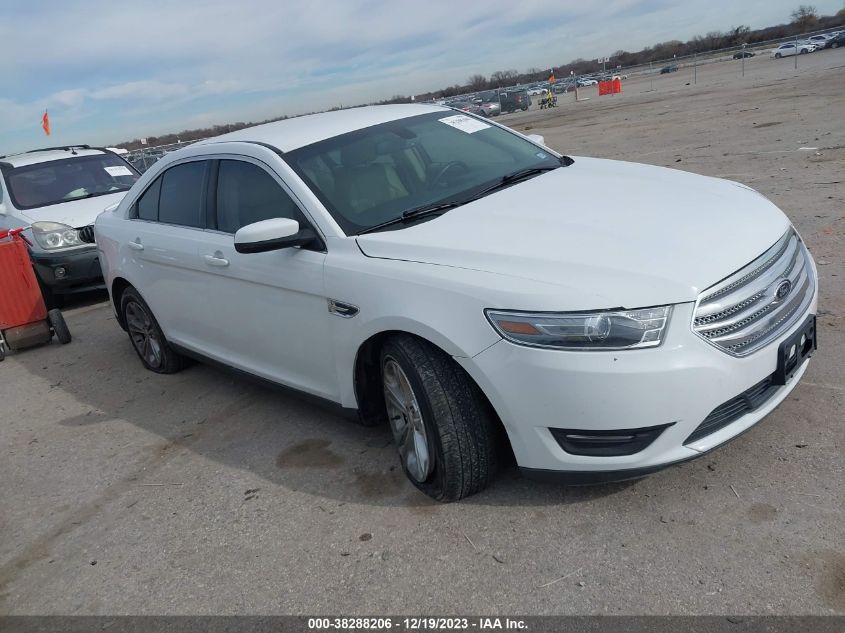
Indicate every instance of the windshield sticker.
{"type": "Point", "coordinates": [465, 123]}
{"type": "Point", "coordinates": [542, 155]}
{"type": "Point", "coordinates": [118, 170]}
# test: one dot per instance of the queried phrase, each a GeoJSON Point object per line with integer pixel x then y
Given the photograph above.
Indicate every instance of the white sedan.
{"type": "Point", "coordinates": [790, 48]}
{"type": "Point", "coordinates": [416, 267]}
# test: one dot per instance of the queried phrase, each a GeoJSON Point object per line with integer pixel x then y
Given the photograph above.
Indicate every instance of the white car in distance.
{"type": "Point", "coordinates": [413, 266]}
{"type": "Point", "coordinates": [789, 48]}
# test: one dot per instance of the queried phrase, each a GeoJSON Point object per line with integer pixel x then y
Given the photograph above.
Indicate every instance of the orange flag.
{"type": "Point", "coordinates": [45, 123]}
{"type": "Point", "coordinates": [552, 78]}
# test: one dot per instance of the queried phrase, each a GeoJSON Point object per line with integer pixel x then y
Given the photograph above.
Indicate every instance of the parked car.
{"type": "Point", "coordinates": [587, 81]}
{"type": "Point", "coordinates": [669, 69]}
{"type": "Point", "coordinates": [789, 48]}
{"type": "Point", "coordinates": [411, 266]}
{"type": "Point", "coordinates": [819, 41]}
{"type": "Point", "coordinates": [513, 100]}
{"type": "Point", "coordinates": [743, 54]}
{"type": "Point", "coordinates": [537, 90]}
{"type": "Point", "coordinates": [468, 106]}
{"type": "Point", "coordinates": [53, 193]}
{"type": "Point", "coordinates": [836, 41]}
{"type": "Point", "coordinates": [488, 101]}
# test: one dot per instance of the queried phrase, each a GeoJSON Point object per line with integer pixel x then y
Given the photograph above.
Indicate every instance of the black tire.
{"type": "Point", "coordinates": [835, 45]}
{"type": "Point", "coordinates": [146, 336]}
{"type": "Point", "coordinates": [778, 55]}
{"type": "Point", "coordinates": [60, 329]}
{"type": "Point", "coordinates": [459, 422]}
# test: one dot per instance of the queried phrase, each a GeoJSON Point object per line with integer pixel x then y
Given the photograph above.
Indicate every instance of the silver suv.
{"type": "Point", "coordinates": [53, 193]}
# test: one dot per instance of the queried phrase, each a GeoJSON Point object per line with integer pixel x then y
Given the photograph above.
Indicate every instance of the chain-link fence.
{"type": "Point", "coordinates": [144, 157]}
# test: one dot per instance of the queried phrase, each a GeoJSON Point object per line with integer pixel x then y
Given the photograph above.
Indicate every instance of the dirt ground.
{"type": "Point", "coordinates": [125, 492]}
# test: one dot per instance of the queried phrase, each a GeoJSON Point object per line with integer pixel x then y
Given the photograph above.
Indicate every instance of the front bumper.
{"type": "Point", "coordinates": [72, 271]}
{"type": "Point", "coordinates": [677, 384]}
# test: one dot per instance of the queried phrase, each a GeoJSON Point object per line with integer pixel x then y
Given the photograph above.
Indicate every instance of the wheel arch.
{"type": "Point", "coordinates": [368, 389]}
{"type": "Point", "coordinates": [118, 287]}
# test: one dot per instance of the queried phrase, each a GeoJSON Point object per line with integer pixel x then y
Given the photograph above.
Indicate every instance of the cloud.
{"type": "Point", "coordinates": [147, 67]}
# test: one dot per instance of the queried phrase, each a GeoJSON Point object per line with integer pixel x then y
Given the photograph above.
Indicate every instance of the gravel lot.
{"type": "Point", "coordinates": [125, 492]}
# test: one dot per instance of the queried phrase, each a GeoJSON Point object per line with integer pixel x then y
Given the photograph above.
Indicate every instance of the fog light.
{"type": "Point", "coordinates": [60, 272]}
{"type": "Point", "coordinates": [607, 443]}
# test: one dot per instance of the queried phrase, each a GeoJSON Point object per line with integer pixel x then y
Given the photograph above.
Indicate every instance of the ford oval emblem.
{"type": "Point", "coordinates": [783, 289]}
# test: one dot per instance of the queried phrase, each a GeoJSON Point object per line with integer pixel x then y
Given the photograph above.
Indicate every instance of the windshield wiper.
{"type": "Point", "coordinates": [509, 179]}
{"type": "Point", "coordinates": [442, 207]}
{"type": "Point", "coordinates": [415, 213]}
{"type": "Point", "coordinates": [95, 194]}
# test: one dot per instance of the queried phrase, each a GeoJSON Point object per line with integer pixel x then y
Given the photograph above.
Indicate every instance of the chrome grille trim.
{"type": "Point", "coordinates": [742, 313]}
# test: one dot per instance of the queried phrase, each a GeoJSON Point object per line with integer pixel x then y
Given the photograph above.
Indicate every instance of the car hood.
{"type": "Point", "coordinates": [75, 213]}
{"type": "Point", "coordinates": [609, 233]}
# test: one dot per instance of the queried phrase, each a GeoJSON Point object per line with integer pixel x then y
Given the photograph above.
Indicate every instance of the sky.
{"type": "Point", "coordinates": [112, 71]}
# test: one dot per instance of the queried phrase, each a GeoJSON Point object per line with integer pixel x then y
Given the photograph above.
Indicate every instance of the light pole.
{"type": "Point", "coordinates": [742, 52]}
{"type": "Point", "coordinates": [797, 52]}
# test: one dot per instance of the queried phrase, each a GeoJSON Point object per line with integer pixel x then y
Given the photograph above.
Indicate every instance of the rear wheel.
{"type": "Point", "coordinates": [146, 336]}
{"type": "Point", "coordinates": [778, 55]}
{"type": "Point", "coordinates": [443, 427]}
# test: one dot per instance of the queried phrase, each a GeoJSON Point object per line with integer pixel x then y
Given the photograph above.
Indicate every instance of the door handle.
{"type": "Point", "coordinates": [136, 246]}
{"type": "Point", "coordinates": [213, 260]}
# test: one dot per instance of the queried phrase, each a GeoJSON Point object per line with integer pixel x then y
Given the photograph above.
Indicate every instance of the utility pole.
{"type": "Point", "coordinates": [742, 52]}
{"type": "Point", "coordinates": [695, 67]}
{"type": "Point", "coordinates": [796, 51]}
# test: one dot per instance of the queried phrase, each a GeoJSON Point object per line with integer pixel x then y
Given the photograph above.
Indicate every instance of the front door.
{"type": "Point", "coordinates": [266, 313]}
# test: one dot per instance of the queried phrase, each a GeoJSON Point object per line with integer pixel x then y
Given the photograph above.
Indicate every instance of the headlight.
{"type": "Point", "coordinates": [52, 236]}
{"type": "Point", "coordinates": [625, 329]}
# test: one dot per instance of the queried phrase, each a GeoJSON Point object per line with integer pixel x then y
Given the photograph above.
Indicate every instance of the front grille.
{"type": "Point", "coordinates": [745, 312]}
{"type": "Point", "coordinates": [735, 408]}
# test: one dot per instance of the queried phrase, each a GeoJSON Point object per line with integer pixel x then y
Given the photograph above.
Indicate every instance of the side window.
{"type": "Point", "coordinates": [148, 202]}
{"type": "Point", "coordinates": [246, 194]}
{"type": "Point", "coordinates": [181, 199]}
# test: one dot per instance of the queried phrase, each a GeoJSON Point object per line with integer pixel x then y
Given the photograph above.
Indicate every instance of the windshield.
{"type": "Point", "coordinates": [43, 184]}
{"type": "Point", "coordinates": [371, 176]}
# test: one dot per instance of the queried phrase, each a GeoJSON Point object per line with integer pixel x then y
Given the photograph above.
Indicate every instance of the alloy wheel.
{"type": "Point", "coordinates": [144, 334]}
{"type": "Point", "coordinates": [406, 421]}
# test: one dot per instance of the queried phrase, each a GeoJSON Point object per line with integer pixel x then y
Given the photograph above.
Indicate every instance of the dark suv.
{"type": "Point", "coordinates": [513, 100]}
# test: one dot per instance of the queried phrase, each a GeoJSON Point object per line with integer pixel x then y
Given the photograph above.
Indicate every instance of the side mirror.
{"type": "Point", "coordinates": [272, 235]}
{"type": "Point", "coordinates": [537, 138]}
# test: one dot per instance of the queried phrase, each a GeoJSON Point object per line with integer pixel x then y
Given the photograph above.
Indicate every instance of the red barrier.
{"type": "Point", "coordinates": [609, 87]}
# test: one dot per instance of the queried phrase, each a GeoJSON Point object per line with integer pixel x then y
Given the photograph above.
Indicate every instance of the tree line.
{"type": "Point", "coordinates": [804, 18]}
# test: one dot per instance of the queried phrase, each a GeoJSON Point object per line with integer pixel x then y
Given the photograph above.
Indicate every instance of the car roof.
{"type": "Point", "coordinates": [36, 156]}
{"type": "Point", "coordinates": [291, 134]}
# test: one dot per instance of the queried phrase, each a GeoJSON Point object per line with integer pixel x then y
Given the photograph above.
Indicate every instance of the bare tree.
{"type": "Point", "coordinates": [805, 17]}
{"type": "Point", "coordinates": [477, 82]}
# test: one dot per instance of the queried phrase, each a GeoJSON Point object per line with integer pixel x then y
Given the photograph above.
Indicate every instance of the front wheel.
{"type": "Point", "coordinates": [147, 338]}
{"type": "Point", "coordinates": [778, 55]}
{"type": "Point", "coordinates": [442, 425]}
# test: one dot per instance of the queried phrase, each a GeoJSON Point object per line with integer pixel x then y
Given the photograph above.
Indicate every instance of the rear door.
{"type": "Point", "coordinates": [167, 225]}
{"type": "Point", "coordinates": [266, 313]}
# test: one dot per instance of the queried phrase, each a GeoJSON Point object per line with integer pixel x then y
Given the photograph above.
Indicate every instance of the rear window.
{"type": "Point", "coordinates": [68, 179]}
